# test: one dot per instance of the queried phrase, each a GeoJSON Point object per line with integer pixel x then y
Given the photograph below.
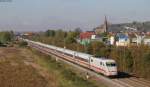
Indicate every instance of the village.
{"type": "Point", "coordinates": [109, 34]}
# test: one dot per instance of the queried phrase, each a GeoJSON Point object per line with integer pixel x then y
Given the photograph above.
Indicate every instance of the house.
{"type": "Point", "coordinates": [100, 29]}
{"type": "Point", "coordinates": [133, 38]}
{"type": "Point", "coordinates": [126, 39]}
{"type": "Point", "coordinates": [86, 37]}
{"type": "Point", "coordinates": [137, 38]}
{"type": "Point", "coordinates": [112, 40]}
{"type": "Point", "coordinates": [146, 40]}
{"type": "Point", "coordinates": [122, 39]}
{"type": "Point", "coordinates": [28, 34]}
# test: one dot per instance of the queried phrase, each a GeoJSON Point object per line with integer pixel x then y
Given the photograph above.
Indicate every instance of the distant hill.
{"type": "Point", "coordinates": [140, 26]}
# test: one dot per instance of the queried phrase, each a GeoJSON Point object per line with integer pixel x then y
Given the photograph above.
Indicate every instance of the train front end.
{"type": "Point", "coordinates": [111, 68]}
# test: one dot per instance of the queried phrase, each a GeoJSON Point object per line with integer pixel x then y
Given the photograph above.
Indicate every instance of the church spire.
{"type": "Point", "coordinates": [106, 24]}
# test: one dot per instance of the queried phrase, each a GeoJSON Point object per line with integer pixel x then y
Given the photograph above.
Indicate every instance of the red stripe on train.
{"type": "Point", "coordinates": [71, 59]}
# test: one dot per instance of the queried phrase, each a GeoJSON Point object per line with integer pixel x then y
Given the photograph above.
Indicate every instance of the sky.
{"type": "Point", "coordinates": [40, 15]}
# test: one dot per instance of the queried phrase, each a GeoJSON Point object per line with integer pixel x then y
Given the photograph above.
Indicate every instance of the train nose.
{"type": "Point", "coordinates": [113, 71]}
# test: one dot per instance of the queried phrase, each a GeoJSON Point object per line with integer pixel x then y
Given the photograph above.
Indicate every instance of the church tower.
{"type": "Point", "coordinates": [102, 28]}
{"type": "Point", "coordinates": [105, 25]}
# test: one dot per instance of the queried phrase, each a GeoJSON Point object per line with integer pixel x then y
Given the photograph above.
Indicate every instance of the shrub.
{"type": "Point", "coordinates": [23, 44]}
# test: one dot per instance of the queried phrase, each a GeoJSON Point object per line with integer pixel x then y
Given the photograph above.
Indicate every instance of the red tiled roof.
{"type": "Point", "coordinates": [86, 35]}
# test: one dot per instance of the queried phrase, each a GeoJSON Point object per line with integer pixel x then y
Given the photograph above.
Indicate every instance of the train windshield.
{"type": "Point", "coordinates": [110, 64]}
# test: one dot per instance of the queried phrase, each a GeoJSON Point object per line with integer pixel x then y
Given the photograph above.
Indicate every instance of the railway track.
{"type": "Point", "coordinates": [115, 82]}
{"type": "Point", "coordinates": [133, 82]}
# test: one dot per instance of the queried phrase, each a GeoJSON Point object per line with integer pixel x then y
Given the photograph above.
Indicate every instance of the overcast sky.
{"type": "Point", "coordinates": [35, 15]}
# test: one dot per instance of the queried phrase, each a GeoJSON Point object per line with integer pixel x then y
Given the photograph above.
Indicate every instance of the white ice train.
{"type": "Point", "coordinates": [104, 66]}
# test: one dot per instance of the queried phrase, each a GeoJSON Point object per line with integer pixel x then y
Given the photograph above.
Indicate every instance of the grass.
{"type": "Point", "coordinates": [14, 73]}
{"type": "Point", "coordinates": [65, 75]}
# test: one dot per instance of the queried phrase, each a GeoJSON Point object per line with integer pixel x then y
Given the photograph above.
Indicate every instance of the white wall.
{"type": "Point", "coordinates": [147, 41]}
{"type": "Point", "coordinates": [112, 40]}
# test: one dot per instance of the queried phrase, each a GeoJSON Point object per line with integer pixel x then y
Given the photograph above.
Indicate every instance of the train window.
{"type": "Point", "coordinates": [80, 58]}
{"type": "Point", "coordinates": [111, 64]}
{"type": "Point", "coordinates": [100, 63]}
{"type": "Point", "coordinates": [91, 60]}
{"type": "Point", "coordinates": [103, 64]}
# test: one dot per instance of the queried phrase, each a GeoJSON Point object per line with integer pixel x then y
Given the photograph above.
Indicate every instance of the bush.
{"type": "Point", "coordinates": [6, 37]}
{"type": "Point", "coordinates": [23, 44]}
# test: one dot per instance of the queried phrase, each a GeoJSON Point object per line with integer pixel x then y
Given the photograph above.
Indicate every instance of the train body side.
{"type": "Point", "coordinates": [101, 65]}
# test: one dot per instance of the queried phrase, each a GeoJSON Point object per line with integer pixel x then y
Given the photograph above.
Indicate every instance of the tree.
{"type": "Point", "coordinates": [60, 34]}
{"type": "Point", "coordinates": [23, 44]}
{"type": "Point", "coordinates": [5, 37]}
{"type": "Point", "coordinates": [71, 38]}
{"type": "Point", "coordinates": [50, 33]}
{"type": "Point", "coordinates": [98, 49]}
{"type": "Point", "coordinates": [78, 31]}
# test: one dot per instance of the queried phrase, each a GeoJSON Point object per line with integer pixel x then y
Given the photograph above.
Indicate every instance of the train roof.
{"type": "Point", "coordinates": [104, 59]}
{"type": "Point", "coordinates": [80, 54]}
